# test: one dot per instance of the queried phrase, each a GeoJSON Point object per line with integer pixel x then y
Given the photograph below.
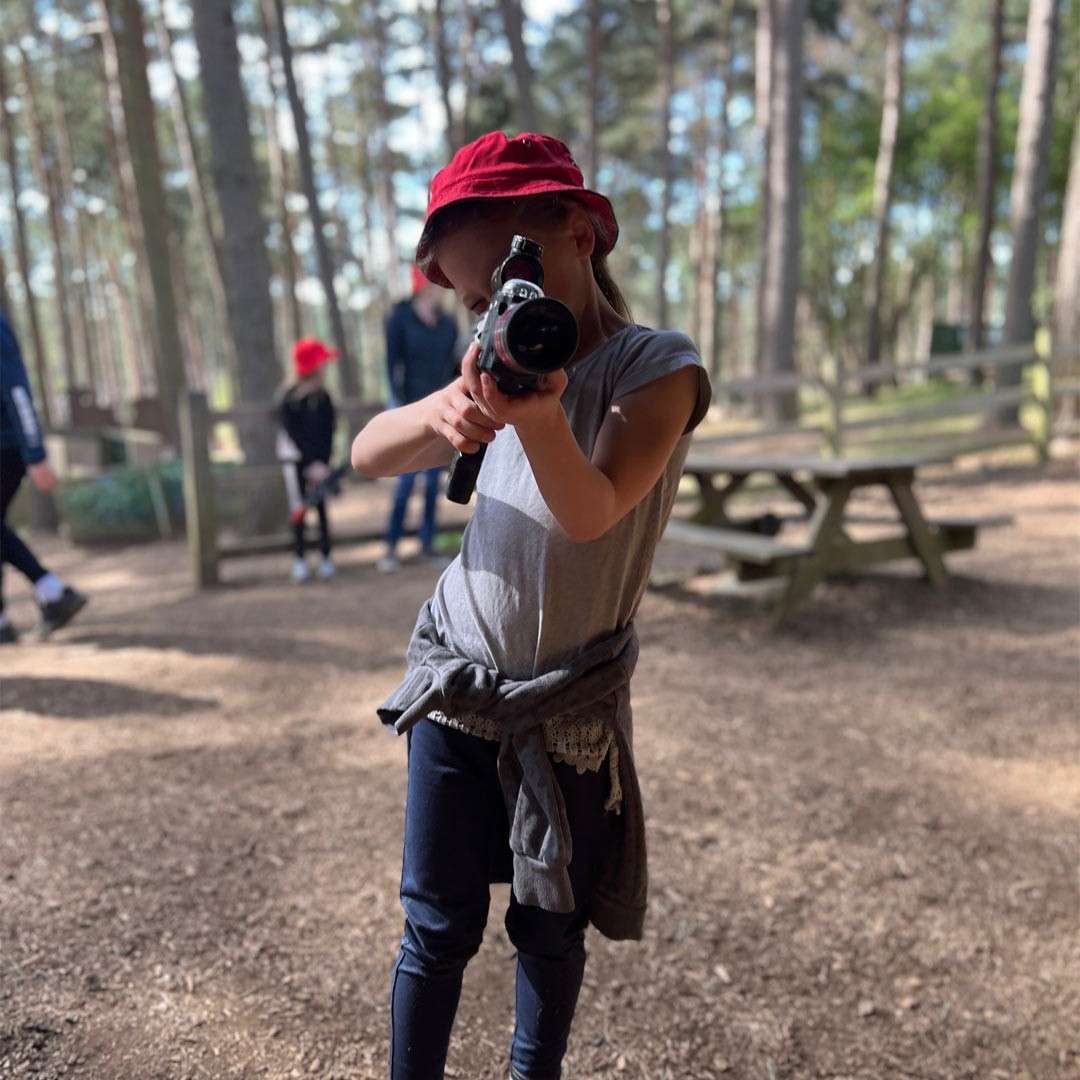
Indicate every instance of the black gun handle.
{"type": "Point", "coordinates": [464, 469]}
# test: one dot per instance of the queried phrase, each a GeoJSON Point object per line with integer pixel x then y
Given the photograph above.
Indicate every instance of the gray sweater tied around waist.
{"type": "Point", "coordinates": [439, 680]}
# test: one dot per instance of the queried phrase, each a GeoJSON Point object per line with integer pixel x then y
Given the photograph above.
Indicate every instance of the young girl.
{"type": "Point", "coordinates": [520, 764]}
{"type": "Point", "coordinates": [305, 443]}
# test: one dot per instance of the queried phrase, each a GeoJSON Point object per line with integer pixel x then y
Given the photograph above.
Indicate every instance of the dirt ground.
{"type": "Point", "coordinates": [863, 829]}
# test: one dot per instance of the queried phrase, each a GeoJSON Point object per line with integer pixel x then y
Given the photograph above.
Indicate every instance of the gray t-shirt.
{"type": "Point", "coordinates": [522, 597]}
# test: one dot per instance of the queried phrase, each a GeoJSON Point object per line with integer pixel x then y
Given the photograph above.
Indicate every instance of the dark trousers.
{"type": "Point", "coordinates": [299, 544]}
{"type": "Point", "coordinates": [12, 548]}
{"type": "Point", "coordinates": [401, 503]}
{"type": "Point", "coordinates": [456, 842]}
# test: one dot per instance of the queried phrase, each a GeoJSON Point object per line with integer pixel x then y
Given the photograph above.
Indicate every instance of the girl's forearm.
{"type": "Point", "coordinates": [578, 494]}
{"type": "Point", "coordinates": [399, 440]}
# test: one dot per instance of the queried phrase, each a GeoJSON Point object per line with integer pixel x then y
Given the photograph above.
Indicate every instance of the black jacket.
{"type": "Point", "coordinates": [309, 421]}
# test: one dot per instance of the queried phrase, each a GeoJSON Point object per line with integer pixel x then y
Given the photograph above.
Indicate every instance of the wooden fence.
{"type": "Point", "coordinates": [943, 407]}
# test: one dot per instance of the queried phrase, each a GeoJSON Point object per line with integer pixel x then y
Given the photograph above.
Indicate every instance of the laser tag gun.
{"type": "Point", "coordinates": [523, 336]}
{"type": "Point", "coordinates": [325, 489]}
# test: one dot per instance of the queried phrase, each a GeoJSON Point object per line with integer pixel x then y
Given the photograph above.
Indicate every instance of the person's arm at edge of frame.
{"type": "Point", "coordinates": [15, 387]}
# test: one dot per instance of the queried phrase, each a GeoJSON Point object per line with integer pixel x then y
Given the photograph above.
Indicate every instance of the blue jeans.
{"type": "Point", "coordinates": [457, 842]}
{"type": "Point", "coordinates": [401, 502]}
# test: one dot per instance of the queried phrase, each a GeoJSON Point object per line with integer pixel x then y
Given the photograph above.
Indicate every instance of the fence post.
{"type": "Point", "coordinates": [198, 488]}
{"type": "Point", "coordinates": [1043, 391]}
{"type": "Point", "coordinates": [834, 391]}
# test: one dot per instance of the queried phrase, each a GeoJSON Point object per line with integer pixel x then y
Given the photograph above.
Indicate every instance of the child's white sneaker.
{"type": "Point", "coordinates": [388, 564]}
{"type": "Point", "coordinates": [326, 569]}
{"type": "Point", "coordinates": [300, 572]}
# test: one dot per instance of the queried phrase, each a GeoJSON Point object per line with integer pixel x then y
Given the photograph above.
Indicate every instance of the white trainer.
{"type": "Point", "coordinates": [300, 572]}
{"type": "Point", "coordinates": [326, 569]}
{"type": "Point", "coordinates": [388, 564]}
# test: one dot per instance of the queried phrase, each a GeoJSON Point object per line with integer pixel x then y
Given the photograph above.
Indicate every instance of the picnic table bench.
{"type": "Point", "coordinates": [822, 487]}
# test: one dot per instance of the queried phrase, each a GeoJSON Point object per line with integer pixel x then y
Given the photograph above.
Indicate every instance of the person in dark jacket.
{"type": "Point", "coordinates": [305, 443]}
{"type": "Point", "coordinates": [22, 453]}
{"type": "Point", "coordinates": [421, 356]}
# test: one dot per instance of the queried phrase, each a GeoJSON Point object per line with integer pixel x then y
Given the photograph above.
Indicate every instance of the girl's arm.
{"type": "Point", "coordinates": [635, 443]}
{"type": "Point", "coordinates": [422, 435]}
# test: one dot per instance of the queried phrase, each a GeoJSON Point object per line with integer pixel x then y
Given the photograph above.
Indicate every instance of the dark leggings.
{"type": "Point", "coordinates": [12, 548]}
{"type": "Point", "coordinates": [324, 524]}
{"type": "Point", "coordinates": [456, 842]}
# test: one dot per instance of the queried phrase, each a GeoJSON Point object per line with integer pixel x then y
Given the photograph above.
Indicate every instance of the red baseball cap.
{"type": "Point", "coordinates": [419, 281]}
{"type": "Point", "coordinates": [309, 354]}
{"type": "Point", "coordinates": [495, 167]}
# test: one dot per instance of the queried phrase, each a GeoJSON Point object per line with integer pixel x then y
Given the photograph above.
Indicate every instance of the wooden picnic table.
{"type": "Point", "coordinates": [823, 488]}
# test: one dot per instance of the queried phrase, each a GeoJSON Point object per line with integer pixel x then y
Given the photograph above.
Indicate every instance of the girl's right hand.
{"type": "Point", "coordinates": [458, 419]}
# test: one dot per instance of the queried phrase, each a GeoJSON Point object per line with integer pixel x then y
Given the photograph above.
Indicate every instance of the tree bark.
{"type": "Point", "coordinates": [784, 182]}
{"type": "Point", "coordinates": [45, 161]}
{"type": "Point", "coordinates": [1032, 159]}
{"type": "Point", "coordinates": [1029, 184]}
{"type": "Point", "coordinates": [247, 269]}
{"type": "Point", "coordinates": [764, 61]}
{"type": "Point", "coordinates": [468, 48]}
{"type": "Point", "coordinates": [987, 180]}
{"type": "Point", "coordinates": [883, 176]}
{"type": "Point", "coordinates": [375, 47]}
{"type": "Point", "coordinates": [66, 161]}
{"type": "Point", "coordinates": [22, 253]}
{"type": "Point", "coordinates": [347, 370]}
{"type": "Point", "coordinates": [592, 131]}
{"type": "Point", "coordinates": [665, 19]}
{"type": "Point", "coordinates": [444, 74]}
{"type": "Point", "coordinates": [1067, 279]}
{"type": "Point", "coordinates": [194, 175]}
{"type": "Point", "coordinates": [711, 322]}
{"type": "Point", "coordinates": [125, 29]}
{"type": "Point", "coordinates": [514, 25]}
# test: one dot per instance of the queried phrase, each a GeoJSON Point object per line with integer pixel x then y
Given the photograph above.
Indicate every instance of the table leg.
{"type": "Point", "coordinates": [713, 500]}
{"type": "Point", "coordinates": [798, 492]}
{"type": "Point", "coordinates": [922, 540]}
{"type": "Point", "coordinates": [825, 529]}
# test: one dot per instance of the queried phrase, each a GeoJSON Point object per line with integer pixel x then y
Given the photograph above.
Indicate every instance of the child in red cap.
{"type": "Point", "coordinates": [305, 443]}
{"type": "Point", "coordinates": [516, 702]}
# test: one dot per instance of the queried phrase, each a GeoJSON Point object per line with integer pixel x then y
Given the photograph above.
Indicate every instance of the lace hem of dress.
{"type": "Point", "coordinates": [581, 743]}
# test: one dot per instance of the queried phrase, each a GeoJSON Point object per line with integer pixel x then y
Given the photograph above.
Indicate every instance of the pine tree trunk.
{"type": "Point", "coordinates": [592, 131]}
{"type": "Point", "coordinates": [66, 162]}
{"type": "Point", "coordinates": [292, 316]}
{"type": "Point", "coordinates": [232, 169]}
{"type": "Point", "coordinates": [514, 25]}
{"type": "Point", "coordinates": [883, 177]}
{"type": "Point", "coordinates": [46, 172]}
{"type": "Point", "coordinates": [711, 322]}
{"type": "Point", "coordinates": [194, 173]}
{"type": "Point", "coordinates": [468, 49]}
{"type": "Point", "coordinates": [987, 180]}
{"type": "Point", "coordinates": [764, 60]}
{"type": "Point", "coordinates": [384, 158]}
{"type": "Point", "coordinates": [148, 356]}
{"type": "Point", "coordinates": [785, 169]}
{"type": "Point", "coordinates": [1029, 182]}
{"type": "Point", "coordinates": [443, 73]}
{"type": "Point", "coordinates": [346, 367]}
{"type": "Point", "coordinates": [22, 251]}
{"type": "Point", "coordinates": [125, 27]}
{"type": "Point", "coordinates": [1067, 279]}
{"type": "Point", "coordinates": [664, 17]}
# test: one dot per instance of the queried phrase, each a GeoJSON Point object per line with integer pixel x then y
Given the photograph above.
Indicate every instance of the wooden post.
{"type": "Point", "coordinates": [1042, 386]}
{"type": "Point", "coordinates": [198, 488]}
{"type": "Point", "coordinates": [834, 391]}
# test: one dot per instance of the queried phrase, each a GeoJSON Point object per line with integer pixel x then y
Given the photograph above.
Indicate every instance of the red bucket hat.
{"type": "Point", "coordinates": [495, 167]}
{"type": "Point", "coordinates": [309, 354]}
{"type": "Point", "coordinates": [418, 280]}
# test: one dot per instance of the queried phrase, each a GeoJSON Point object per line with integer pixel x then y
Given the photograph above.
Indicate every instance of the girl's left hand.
{"type": "Point", "coordinates": [539, 407]}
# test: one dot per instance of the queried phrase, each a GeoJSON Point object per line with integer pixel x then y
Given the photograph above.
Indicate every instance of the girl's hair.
{"type": "Point", "coordinates": [543, 210]}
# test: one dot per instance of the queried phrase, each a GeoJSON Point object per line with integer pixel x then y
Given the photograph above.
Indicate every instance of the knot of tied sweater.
{"type": "Point", "coordinates": [438, 680]}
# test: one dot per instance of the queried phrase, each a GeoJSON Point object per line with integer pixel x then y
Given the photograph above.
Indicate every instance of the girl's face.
{"type": "Point", "coordinates": [469, 256]}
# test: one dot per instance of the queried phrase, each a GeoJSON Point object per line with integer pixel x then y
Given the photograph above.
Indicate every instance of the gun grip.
{"type": "Point", "coordinates": [464, 469]}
